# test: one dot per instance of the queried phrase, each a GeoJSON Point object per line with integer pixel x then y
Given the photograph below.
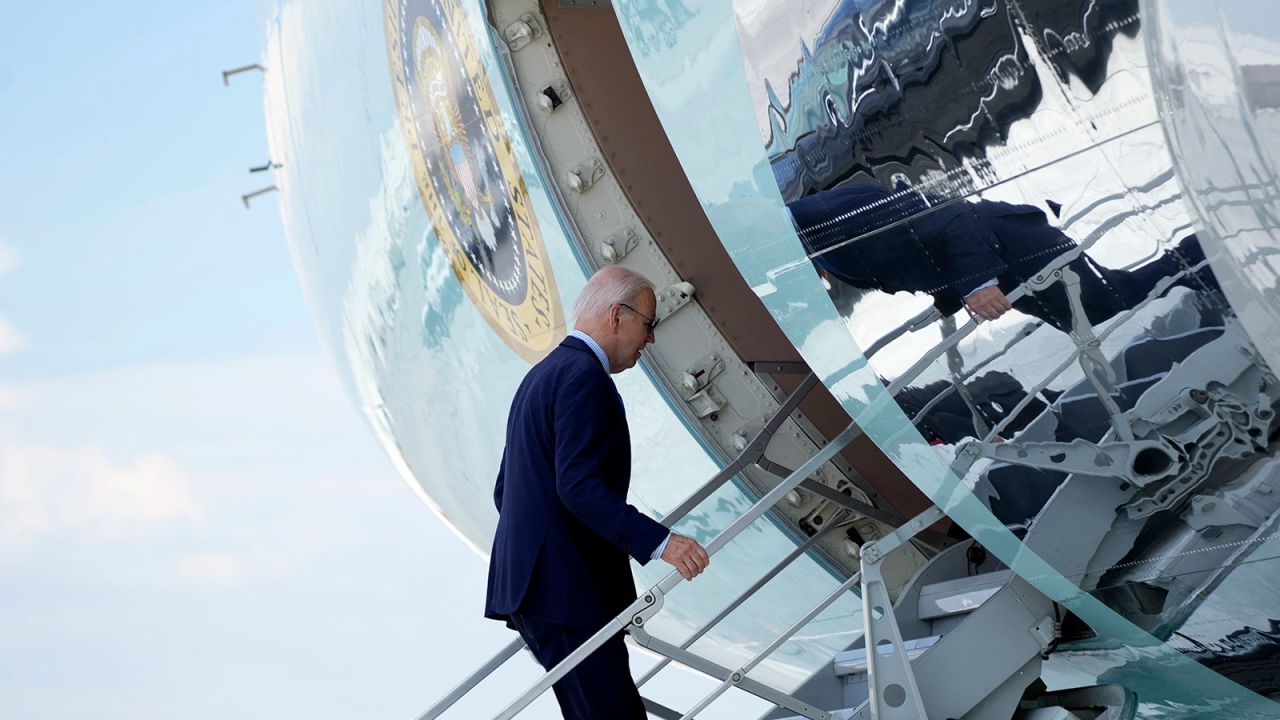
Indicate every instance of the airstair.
{"type": "Point", "coordinates": [962, 603]}
{"type": "Point", "coordinates": [966, 637]}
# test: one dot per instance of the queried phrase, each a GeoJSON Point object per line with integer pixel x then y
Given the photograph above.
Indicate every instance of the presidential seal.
{"type": "Point", "coordinates": [467, 175]}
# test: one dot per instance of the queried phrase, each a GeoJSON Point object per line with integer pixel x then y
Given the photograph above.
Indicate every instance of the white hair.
{"type": "Point", "coordinates": [608, 287]}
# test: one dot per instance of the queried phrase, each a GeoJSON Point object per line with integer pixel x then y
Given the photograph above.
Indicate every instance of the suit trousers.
{"type": "Point", "coordinates": [599, 688]}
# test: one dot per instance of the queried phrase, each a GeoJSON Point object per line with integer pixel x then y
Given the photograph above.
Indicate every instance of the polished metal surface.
{"type": "Point", "coordinates": [596, 63]}
{"type": "Point", "coordinates": [438, 265]}
{"type": "Point", "coordinates": [1216, 73]}
{"type": "Point", "coordinates": [1142, 136]}
{"type": "Point", "coordinates": [1131, 341]}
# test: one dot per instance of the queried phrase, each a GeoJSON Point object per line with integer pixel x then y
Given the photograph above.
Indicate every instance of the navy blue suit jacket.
{"type": "Point", "coordinates": [945, 252]}
{"type": "Point", "coordinates": [950, 250]}
{"type": "Point", "coordinates": [564, 526]}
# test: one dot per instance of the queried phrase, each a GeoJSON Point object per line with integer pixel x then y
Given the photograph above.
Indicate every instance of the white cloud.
{"type": "Point", "coordinates": [216, 569]}
{"type": "Point", "coordinates": [9, 258]}
{"type": "Point", "coordinates": [212, 415]}
{"type": "Point", "coordinates": [12, 398]}
{"type": "Point", "coordinates": [46, 490]}
{"type": "Point", "coordinates": [191, 461]}
{"type": "Point", "coordinates": [11, 339]}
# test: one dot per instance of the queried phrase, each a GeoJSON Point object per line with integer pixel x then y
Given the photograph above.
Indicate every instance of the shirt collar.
{"type": "Point", "coordinates": [595, 347]}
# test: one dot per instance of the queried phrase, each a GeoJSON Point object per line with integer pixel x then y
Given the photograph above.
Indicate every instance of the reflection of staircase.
{"type": "Point", "coordinates": [1140, 365]}
{"type": "Point", "coordinates": [1016, 493]}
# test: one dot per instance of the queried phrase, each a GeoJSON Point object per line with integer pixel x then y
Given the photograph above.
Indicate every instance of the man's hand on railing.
{"type": "Point", "coordinates": [686, 555]}
{"type": "Point", "coordinates": [988, 303]}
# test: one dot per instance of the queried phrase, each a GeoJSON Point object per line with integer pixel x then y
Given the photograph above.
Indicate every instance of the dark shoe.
{"type": "Point", "coordinates": [1190, 253]}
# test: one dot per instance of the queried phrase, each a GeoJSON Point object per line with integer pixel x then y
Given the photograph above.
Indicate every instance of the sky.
{"type": "Point", "coordinates": [195, 521]}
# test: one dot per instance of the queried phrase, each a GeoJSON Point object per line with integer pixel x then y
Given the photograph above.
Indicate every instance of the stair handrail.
{"type": "Point", "coordinates": [646, 606]}
{"type": "Point", "coordinates": [750, 454]}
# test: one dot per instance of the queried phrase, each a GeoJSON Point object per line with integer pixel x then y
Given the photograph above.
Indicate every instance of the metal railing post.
{"type": "Point", "coordinates": [773, 572]}
{"type": "Point", "coordinates": [469, 682]}
{"type": "Point", "coordinates": [738, 676]}
{"type": "Point", "coordinates": [720, 672]}
{"type": "Point", "coordinates": [893, 669]}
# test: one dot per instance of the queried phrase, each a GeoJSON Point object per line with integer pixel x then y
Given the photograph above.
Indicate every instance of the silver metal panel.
{"type": "Point", "coordinates": [960, 595]}
{"type": "Point", "coordinates": [853, 662]}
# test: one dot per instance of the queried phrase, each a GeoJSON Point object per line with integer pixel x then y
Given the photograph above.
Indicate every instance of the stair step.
{"type": "Point", "coordinates": [854, 662]}
{"type": "Point", "coordinates": [961, 595]}
{"type": "Point", "coordinates": [1049, 714]}
{"type": "Point", "coordinates": [843, 714]}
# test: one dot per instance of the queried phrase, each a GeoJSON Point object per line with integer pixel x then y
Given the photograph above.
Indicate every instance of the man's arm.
{"type": "Point", "coordinates": [683, 553]}
{"type": "Point", "coordinates": [988, 301]}
{"type": "Point", "coordinates": [581, 443]}
{"type": "Point", "coordinates": [974, 267]}
{"type": "Point", "coordinates": [582, 439]}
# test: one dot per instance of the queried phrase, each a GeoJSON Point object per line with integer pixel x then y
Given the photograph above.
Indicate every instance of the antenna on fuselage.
{"type": "Point", "coordinates": [270, 164]}
{"type": "Point", "coordinates": [249, 196]}
{"type": "Point", "coordinates": [226, 74]}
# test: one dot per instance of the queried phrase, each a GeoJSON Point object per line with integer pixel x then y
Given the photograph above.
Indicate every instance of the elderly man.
{"type": "Point", "coordinates": [559, 568]}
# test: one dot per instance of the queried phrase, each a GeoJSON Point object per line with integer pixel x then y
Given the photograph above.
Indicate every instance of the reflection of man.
{"type": "Point", "coordinates": [950, 420]}
{"type": "Point", "coordinates": [559, 568]}
{"type": "Point", "coordinates": [969, 254]}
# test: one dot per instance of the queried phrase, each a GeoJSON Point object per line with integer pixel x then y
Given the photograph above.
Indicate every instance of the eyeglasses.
{"type": "Point", "coordinates": [651, 322]}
